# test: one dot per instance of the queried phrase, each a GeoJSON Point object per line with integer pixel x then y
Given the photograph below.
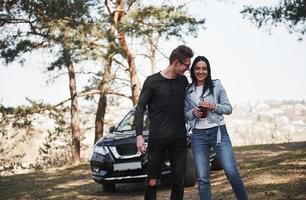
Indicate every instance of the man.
{"type": "Point", "coordinates": [164, 93]}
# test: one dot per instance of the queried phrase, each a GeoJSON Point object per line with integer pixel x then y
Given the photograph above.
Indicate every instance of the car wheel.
{"type": "Point", "coordinates": [216, 165]}
{"type": "Point", "coordinates": [109, 187]}
{"type": "Point", "coordinates": [190, 173]}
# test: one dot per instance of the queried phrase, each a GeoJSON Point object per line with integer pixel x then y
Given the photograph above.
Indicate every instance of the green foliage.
{"type": "Point", "coordinates": [10, 53]}
{"type": "Point", "coordinates": [29, 25]}
{"type": "Point", "coordinates": [59, 63]}
{"type": "Point", "coordinates": [54, 150]}
{"type": "Point", "coordinates": [9, 159]}
{"type": "Point", "coordinates": [168, 21]}
{"type": "Point", "coordinates": [16, 128]}
{"type": "Point", "coordinates": [291, 13]}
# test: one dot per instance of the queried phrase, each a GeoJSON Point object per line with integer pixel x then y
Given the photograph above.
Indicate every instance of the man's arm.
{"type": "Point", "coordinates": [144, 99]}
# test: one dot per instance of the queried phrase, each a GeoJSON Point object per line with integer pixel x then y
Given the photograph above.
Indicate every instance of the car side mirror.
{"type": "Point", "coordinates": [111, 129]}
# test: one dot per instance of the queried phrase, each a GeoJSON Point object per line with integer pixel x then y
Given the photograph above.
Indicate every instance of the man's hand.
{"type": "Point", "coordinates": [141, 147]}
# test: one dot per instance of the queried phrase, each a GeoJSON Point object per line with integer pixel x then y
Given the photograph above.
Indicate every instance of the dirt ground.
{"type": "Point", "coordinates": [270, 172]}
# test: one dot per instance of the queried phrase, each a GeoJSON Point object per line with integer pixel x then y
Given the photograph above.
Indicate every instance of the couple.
{"type": "Point", "coordinates": [203, 103]}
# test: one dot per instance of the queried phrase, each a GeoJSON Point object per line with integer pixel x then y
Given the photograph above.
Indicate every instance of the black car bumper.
{"type": "Point", "coordinates": [103, 170]}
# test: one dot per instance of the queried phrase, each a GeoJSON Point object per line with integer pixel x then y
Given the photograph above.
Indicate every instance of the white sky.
{"type": "Point", "coordinates": [251, 64]}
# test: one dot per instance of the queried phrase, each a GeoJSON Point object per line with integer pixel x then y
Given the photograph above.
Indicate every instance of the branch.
{"type": "Point", "coordinates": [156, 47]}
{"type": "Point", "coordinates": [120, 63]}
{"type": "Point", "coordinates": [82, 72]}
{"type": "Point", "coordinates": [38, 45]}
{"type": "Point", "coordinates": [130, 5]}
{"type": "Point", "coordinates": [14, 21]}
{"type": "Point", "coordinates": [107, 7]}
{"type": "Point", "coordinates": [114, 77]}
{"type": "Point", "coordinates": [143, 54]}
{"type": "Point", "coordinates": [94, 43]}
{"type": "Point", "coordinates": [120, 94]}
{"type": "Point", "coordinates": [91, 92]}
{"type": "Point", "coordinates": [87, 128]}
{"type": "Point", "coordinates": [122, 79]}
{"type": "Point", "coordinates": [33, 32]}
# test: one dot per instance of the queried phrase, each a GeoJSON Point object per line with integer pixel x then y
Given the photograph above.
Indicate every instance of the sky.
{"type": "Point", "coordinates": [252, 64]}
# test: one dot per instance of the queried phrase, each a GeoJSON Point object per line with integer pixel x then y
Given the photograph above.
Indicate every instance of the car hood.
{"type": "Point", "coordinates": [117, 138]}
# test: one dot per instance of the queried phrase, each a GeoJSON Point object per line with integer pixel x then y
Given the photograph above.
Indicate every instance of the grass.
{"type": "Point", "coordinates": [276, 171]}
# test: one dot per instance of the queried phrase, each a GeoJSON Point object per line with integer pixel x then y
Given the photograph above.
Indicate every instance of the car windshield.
{"type": "Point", "coordinates": [128, 125]}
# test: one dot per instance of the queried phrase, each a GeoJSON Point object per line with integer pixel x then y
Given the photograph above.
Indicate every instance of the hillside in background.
{"type": "Point", "coordinates": [268, 122]}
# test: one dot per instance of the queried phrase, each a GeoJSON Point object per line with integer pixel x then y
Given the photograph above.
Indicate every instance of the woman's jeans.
{"type": "Point", "coordinates": [202, 140]}
{"type": "Point", "coordinates": [157, 149]}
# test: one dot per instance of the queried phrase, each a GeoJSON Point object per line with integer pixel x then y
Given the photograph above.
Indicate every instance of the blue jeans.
{"type": "Point", "coordinates": [201, 141]}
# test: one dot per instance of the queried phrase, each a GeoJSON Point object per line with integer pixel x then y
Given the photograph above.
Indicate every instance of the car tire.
{"type": "Point", "coordinates": [216, 165]}
{"type": "Point", "coordinates": [190, 172]}
{"type": "Point", "coordinates": [109, 187]}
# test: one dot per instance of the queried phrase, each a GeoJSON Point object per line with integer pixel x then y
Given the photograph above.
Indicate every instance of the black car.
{"type": "Point", "coordinates": [115, 157]}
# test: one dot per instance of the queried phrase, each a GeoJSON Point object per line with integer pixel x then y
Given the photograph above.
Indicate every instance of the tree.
{"type": "Point", "coordinates": [17, 128]}
{"type": "Point", "coordinates": [147, 21]}
{"type": "Point", "coordinates": [33, 25]}
{"type": "Point", "coordinates": [133, 20]}
{"type": "Point", "coordinates": [291, 13]}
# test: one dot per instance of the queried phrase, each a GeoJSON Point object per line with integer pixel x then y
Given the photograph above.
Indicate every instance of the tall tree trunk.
{"type": "Point", "coordinates": [104, 88]}
{"type": "Point", "coordinates": [135, 89]}
{"type": "Point", "coordinates": [132, 69]}
{"type": "Point", "coordinates": [104, 84]}
{"type": "Point", "coordinates": [153, 50]}
{"type": "Point", "coordinates": [75, 125]}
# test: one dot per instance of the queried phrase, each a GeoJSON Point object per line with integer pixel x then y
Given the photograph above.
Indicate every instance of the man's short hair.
{"type": "Point", "coordinates": [180, 53]}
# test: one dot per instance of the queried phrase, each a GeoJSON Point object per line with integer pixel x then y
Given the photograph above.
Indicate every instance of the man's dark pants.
{"type": "Point", "coordinates": [157, 149]}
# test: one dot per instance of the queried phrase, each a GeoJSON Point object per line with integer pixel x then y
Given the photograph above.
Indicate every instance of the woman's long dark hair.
{"type": "Point", "coordinates": [208, 81]}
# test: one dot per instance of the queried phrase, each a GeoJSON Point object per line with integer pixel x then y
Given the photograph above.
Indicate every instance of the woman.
{"type": "Point", "coordinates": [205, 103]}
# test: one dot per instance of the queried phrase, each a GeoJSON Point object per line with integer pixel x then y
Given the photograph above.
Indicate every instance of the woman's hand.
{"type": "Point", "coordinates": [197, 112]}
{"type": "Point", "coordinates": [206, 104]}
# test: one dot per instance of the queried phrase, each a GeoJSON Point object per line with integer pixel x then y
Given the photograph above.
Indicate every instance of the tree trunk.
{"type": "Point", "coordinates": [75, 125]}
{"type": "Point", "coordinates": [104, 85]}
{"type": "Point", "coordinates": [132, 71]}
{"type": "Point", "coordinates": [129, 56]}
{"type": "Point", "coordinates": [99, 121]}
{"type": "Point", "coordinates": [153, 48]}
{"type": "Point", "coordinates": [104, 88]}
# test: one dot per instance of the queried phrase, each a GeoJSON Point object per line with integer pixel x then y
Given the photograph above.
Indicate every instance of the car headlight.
{"type": "Point", "coordinates": [101, 150]}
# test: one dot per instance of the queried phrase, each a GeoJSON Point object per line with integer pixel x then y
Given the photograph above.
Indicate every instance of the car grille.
{"type": "Point", "coordinates": [126, 150]}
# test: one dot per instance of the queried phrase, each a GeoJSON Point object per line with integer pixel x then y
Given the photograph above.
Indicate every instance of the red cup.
{"type": "Point", "coordinates": [204, 111]}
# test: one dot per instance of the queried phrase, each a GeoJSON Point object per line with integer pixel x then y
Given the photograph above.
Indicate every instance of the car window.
{"type": "Point", "coordinates": [127, 124]}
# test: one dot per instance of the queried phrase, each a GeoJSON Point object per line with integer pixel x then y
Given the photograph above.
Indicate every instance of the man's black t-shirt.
{"type": "Point", "coordinates": [165, 100]}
